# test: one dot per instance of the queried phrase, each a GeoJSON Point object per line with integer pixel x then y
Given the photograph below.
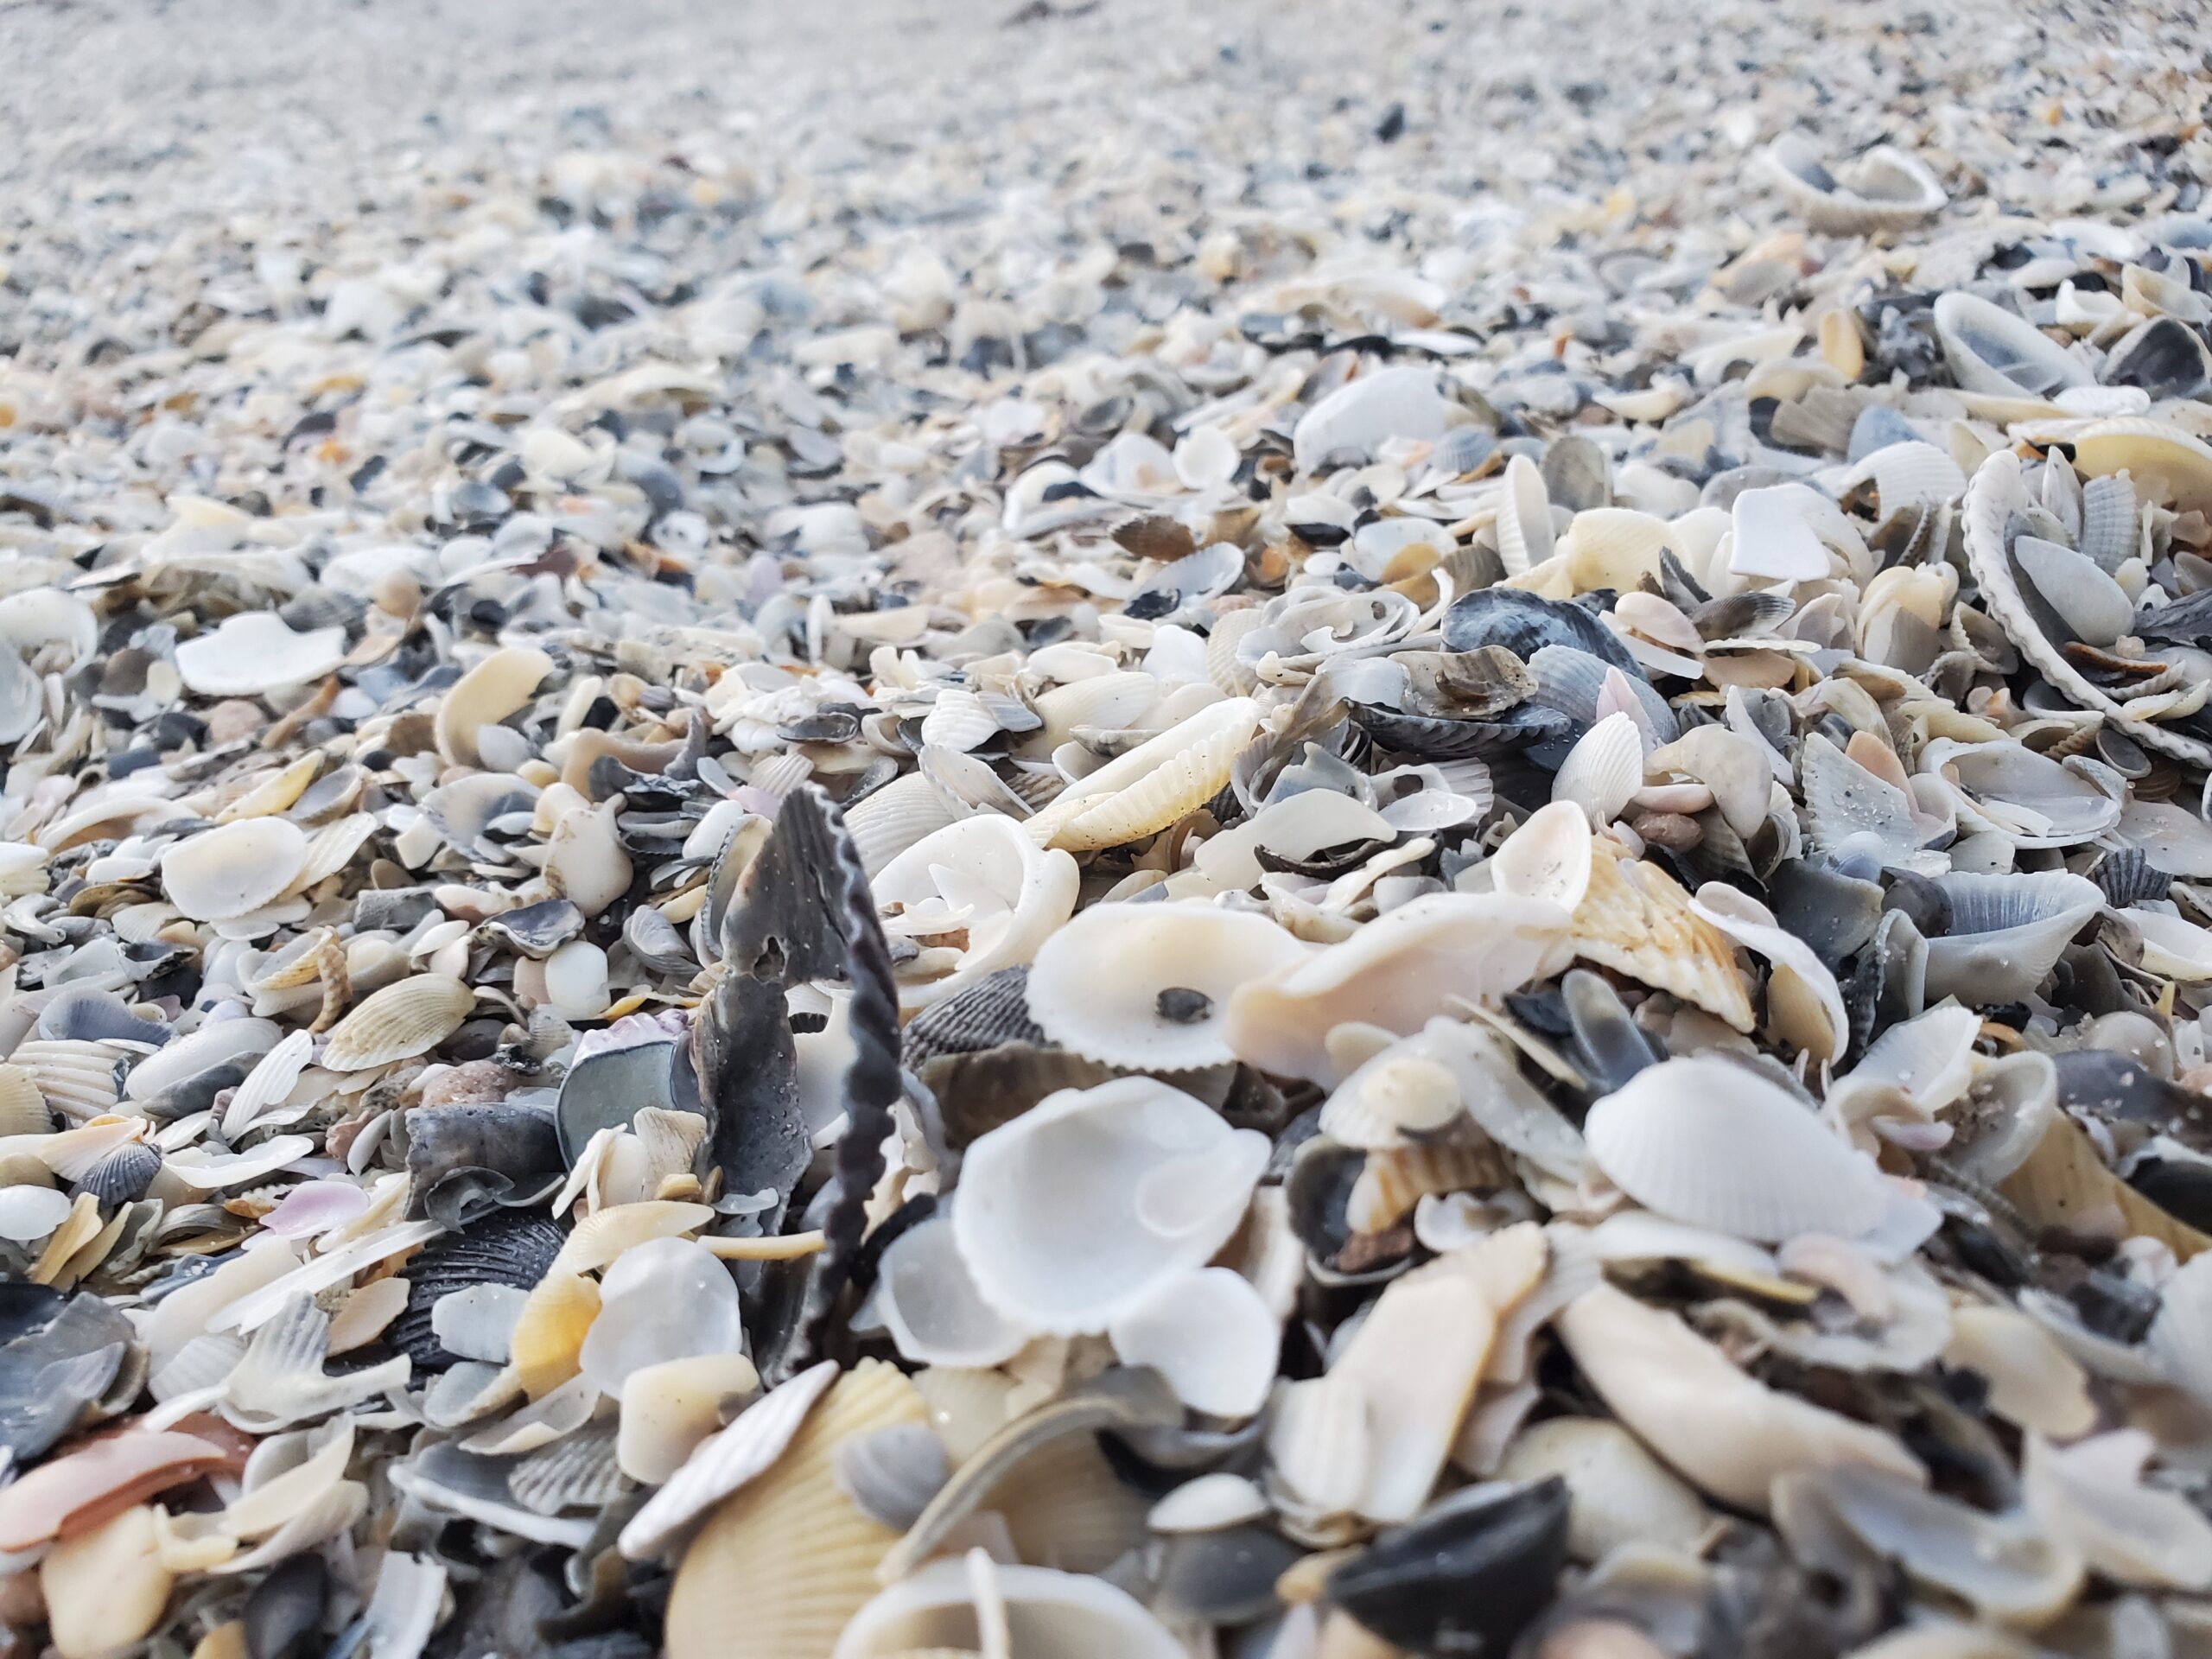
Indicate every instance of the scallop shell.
{"type": "Point", "coordinates": [233, 869]}
{"type": "Point", "coordinates": [122, 1174]}
{"type": "Point", "coordinates": [255, 653]}
{"type": "Point", "coordinates": [398, 1022]}
{"type": "Point", "coordinates": [893, 818]}
{"type": "Point", "coordinates": [1075, 1211]}
{"type": "Point", "coordinates": [1045, 1615]}
{"type": "Point", "coordinates": [2006, 932]}
{"type": "Point", "coordinates": [1603, 770]}
{"type": "Point", "coordinates": [1884, 190]}
{"type": "Point", "coordinates": [989, 885]}
{"type": "Point", "coordinates": [1148, 986]}
{"type": "Point", "coordinates": [487, 694]}
{"type": "Point", "coordinates": [1999, 353]}
{"type": "Point", "coordinates": [724, 1463]}
{"type": "Point", "coordinates": [1524, 518]}
{"type": "Point", "coordinates": [1726, 1432]}
{"type": "Point", "coordinates": [1715, 1144]}
{"type": "Point", "coordinates": [1996, 501]}
{"type": "Point", "coordinates": [1635, 919]}
{"type": "Point", "coordinates": [789, 1560]}
{"type": "Point", "coordinates": [2108, 523]}
{"type": "Point", "coordinates": [1156, 784]}
{"type": "Point", "coordinates": [1396, 972]}
{"type": "Point", "coordinates": [76, 1079]}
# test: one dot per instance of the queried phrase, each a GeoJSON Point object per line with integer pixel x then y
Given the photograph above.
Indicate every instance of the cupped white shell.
{"type": "Point", "coordinates": [1548, 857]}
{"type": "Point", "coordinates": [233, 867]}
{"type": "Point", "coordinates": [1884, 190]}
{"type": "Point", "coordinates": [929, 1301]}
{"type": "Point", "coordinates": [1016, 1612]}
{"type": "Point", "coordinates": [1210, 1334]}
{"type": "Point", "coordinates": [1074, 1213]}
{"type": "Point", "coordinates": [2029, 798]}
{"type": "Point", "coordinates": [1715, 1144]}
{"type": "Point", "coordinates": [1603, 768]}
{"type": "Point", "coordinates": [1148, 985]}
{"type": "Point", "coordinates": [2000, 354]}
{"type": "Point", "coordinates": [977, 896]}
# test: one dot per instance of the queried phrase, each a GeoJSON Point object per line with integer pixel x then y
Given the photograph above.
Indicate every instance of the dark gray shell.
{"type": "Point", "coordinates": [1609, 1044]}
{"type": "Point", "coordinates": [465, 1160]}
{"type": "Point", "coordinates": [537, 930]}
{"type": "Point", "coordinates": [992, 1011]}
{"type": "Point", "coordinates": [803, 914]}
{"type": "Point", "coordinates": [2128, 877]}
{"type": "Point", "coordinates": [1465, 1577]}
{"type": "Point", "coordinates": [1433, 738]}
{"type": "Point", "coordinates": [508, 1247]}
{"type": "Point", "coordinates": [2164, 357]}
{"type": "Point", "coordinates": [607, 1089]}
{"type": "Point", "coordinates": [1525, 624]}
{"type": "Point", "coordinates": [59, 1354]}
{"type": "Point", "coordinates": [121, 1173]}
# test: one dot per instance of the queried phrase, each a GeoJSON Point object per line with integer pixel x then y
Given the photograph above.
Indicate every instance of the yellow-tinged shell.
{"type": "Point", "coordinates": [1159, 783]}
{"type": "Point", "coordinates": [2167, 462]}
{"type": "Point", "coordinates": [1393, 1179]}
{"type": "Point", "coordinates": [75, 1077]}
{"type": "Point", "coordinates": [22, 1108]}
{"type": "Point", "coordinates": [331, 848]}
{"type": "Point", "coordinates": [605, 1234]}
{"type": "Point", "coordinates": [2064, 1185]}
{"type": "Point", "coordinates": [398, 1022]}
{"type": "Point", "coordinates": [275, 792]}
{"type": "Point", "coordinates": [106, 1589]}
{"type": "Point", "coordinates": [487, 694]}
{"type": "Point", "coordinates": [1065, 1508]}
{"type": "Point", "coordinates": [1635, 919]}
{"type": "Point", "coordinates": [548, 1333]}
{"type": "Point", "coordinates": [788, 1560]}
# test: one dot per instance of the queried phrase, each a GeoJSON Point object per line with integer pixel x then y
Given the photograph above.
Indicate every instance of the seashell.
{"type": "Point", "coordinates": [76, 1079]}
{"type": "Point", "coordinates": [1467, 1577]}
{"type": "Point", "coordinates": [488, 694]}
{"type": "Point", "coordinates": [105, 1590]}
{"type": "Point", "coordinates": [398, 1022]}
{"type": "Point", "coordinates": [789, 1560]}
{"type": "Point", "coordinates": [2091, 1496]}
{"type": "Point", "coordinates": [545, 1346]}
{"type": "Point", "coordinates": [1395, 973]}
{"type": "Point", "coordinates": [2000, 354]}
{"type": "Point", "coordinates": [1850, 809]}
{"type": "Point", "coordinates": [1804, 1003]}
{"type": "Point", "coordinates": [69, 1495]}
{"type": "Point", "coordinates": [1412, 1089]}
{"type": "Point", "coordinates": [665, 1298]}
{"type": "Point", "coordinates": [670, 1409]}
{"type": "Point", "coordinates": [980, 881]}
{"type": "Point", "coordinates": [986, 1014]}
{"type": "Point", "coordinates": [1618, 1492]}
{"type": "Point", "coordinates": [1207, 1504]}
{"type": "Point", "coordinates": [1299, 830]}
{"type": "Point", "coordinates": [929, 1302]}
{"type": "Point", "coordinates": [1209, 1334]}
{"type": "Point", "coordinates": [2033, 1383]}
{"type": "Point", "coordinates": [1149, 985]}
{"type": "Point", "coordinates": [892, 1475]}
{"type": "Point", "coordinates": [122, 1174]}
{"type": "Point", "coordinates": [504, 1248]}
{"type": "Point", "coordinates": [2029, 798]}
{"type": "Point", "coordinates": [1603, 770]}
{"type": "Point", "coordinates": [584, 860]}
{"type": "Point", "coordinates": [1716, 1145]}
{"type": "Point", "coordinates": [2172, 948]}
{"type": "Point", "coordinates": [1728, 1434]}
{"type": "Point", "coordinates": [2093, 607]}
{"type": "Point", "coordinates": [1359, 416]}
{"type": "Point", "coordinates": [280, 1379]}
{"type": "Point", "coordinates": [28, 1214]}
{"type": "Point", "coordinates": [2006, 932]}
{"type": "Point", "coordinates": [233, 869]}
{"type": "Point", "coordinates": [1771, 536]}
{"type": "Point", "coordinates": [2164, 357]}
{"type": "Point", "coordinates": [1915, 1069]}
{"type": "Point", "coordinates": [2060, 1183]}
{"type": "Point", "coordinates": [2004, 1567]}
{"type": "Point", "coordinates": [254, 653]}
{"type": "Point", "coordinates": [1636, 921]}
{"type": "Point", "coordinates": [904, 811]}
{"type": "Point", "coordinates": [1156, 784]}
{"type": "Point", "coordinates": [267, 1084]}
{"type": "Point", "coordinates": [1165, 1184]}
{"type": "Point", "coordinates": [1884, 190]}
{"type": "Point", "coordinates": [1549, 856]}
{"type": "Point", "coordinates": [2182, 1331]}
{"type": "Point", "coordinates": [1732, 766]}
{"type": "Point", "coordinates": [1524, 518]}
{"type": "Point", "coordinates": [1525, 623]}
{"type": "Point", "coordinates": [2174, 466]}
{"type": "Point", "coordinates": [955, 1606]}
{"type": "Point", "coordinates": [751, 1445]}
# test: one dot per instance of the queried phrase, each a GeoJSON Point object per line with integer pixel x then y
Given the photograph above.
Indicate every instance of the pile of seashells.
{"type": "Point", "coordinates": [821, 907]}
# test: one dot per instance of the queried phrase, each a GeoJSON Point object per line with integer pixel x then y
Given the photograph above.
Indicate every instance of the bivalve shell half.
{"type": "Point", "coordinates": [991, 891]}
{"type": "Point", "coordinates": [2000, 354]}
{"type": "Point", "coordinates": [1709, 1142]}
{"type": "Point", "coordinates": [398, 1022]}
{"type": "Point", "coordinates": [487, 694]}
{"type": "Point", "coordinates": [1017, 1612]}
{"type": "Point", "coordinates": [1156, 784]}
{"type": "Point", "coordinates": [233, 869]}
{"type": "Point", "coordinates": [2006, 932]}
{"type": "Point", "coordinates": [1148, 986]}
{"type": "Point", "coordinates": [254, 653]}
{"type": "Point", "coordinates": [1885, 189]}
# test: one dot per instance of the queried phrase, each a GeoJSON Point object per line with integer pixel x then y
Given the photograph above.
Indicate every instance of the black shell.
{"type": "Point", "coordinates": [286, 1607]}
{"type": "Point", "coordinates": [465, 1160]}
{"type": "Point", "coordinates": [1610, 1046]}
{"type": "Point", "coordinates": [58, 1354]}
{"type": "Point", "coordinates": [508, 1247]}
{"type": "Point", "coordinates": [121, 1173]}
{"type": "Point", "coordinates": [1436, 739]}
{"type": "Point", "coordinates": [2128, 877]}
{"type": "Point", "coordinates": [1525, 624]}
{"type": "Point", "coordinates": [1465, 1577]}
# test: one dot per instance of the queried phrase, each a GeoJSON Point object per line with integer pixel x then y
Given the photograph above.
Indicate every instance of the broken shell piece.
{"type": "Point", "coordinates": [930, 1303]}
{"type": "Point", "coordinates": [1618, 1493]}
{"type": "Point", "coordinates": [1635, 919]}
{"type": "Point", "coordinates": [1210, 1335]}
{"type": "Point", "coordinates": [1149, 985]}
{"type": "Point", "coordinates": [668, 1409]}
{"type": "Point", "coordinates": [1884, 190]}
{"type": "Point", "coordinates": [664, 1300]}
{"type": "Point", "coordinates": [2006, 932]}
{"type": "Point", "coordinates": [1548, 857]}
{"type": "Point", "coordinates": [1020, 1612]}
{"type": "Point", "coordinates": [1157, 783]}
{"type": "Point", "coordinates": [487, 694]}
{"type": "Point", "coordinates": [2092, 1495]}
{"type": "Point", "coordinates": [726, 1461]}
{"type": "Point", "coordinates": [233, 867]}
{"type": "Point", "coordinates": [1999, 353]}
{"type": "Point", "coordinates": [1076, 1211]}
{"type": "Point", "coordinates": [980, 893]}
{"type": "Point", "coordinates": [254, 653]}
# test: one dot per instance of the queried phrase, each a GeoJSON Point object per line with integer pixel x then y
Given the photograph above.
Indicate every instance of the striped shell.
{"type": "Point", "coordinates": [398, 1022]}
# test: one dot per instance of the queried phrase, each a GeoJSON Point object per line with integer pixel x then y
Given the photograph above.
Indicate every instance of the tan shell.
{"type": "Point", "coordinates": [549, 1335]}
{"type": "Point", "coordinates": [1157, 783]}
{"type": "Point", "coordinates": [398, 1022]}
{"type": "Point", "coordinates": [1635, 919]}
{"type": "Point", "coordinates": [233, 869]}
{"type": "Point", "coordinates": [487, 694]}
{"type": "Point", "coordinates": [2064, 1186]}
{"type": "Point", "coordinates": [2166, 461]}
{"type": "Point", "coordinates": [76, 1077]}
{"type": "Point", "coordinates": [105, 1591]}
{"type": "Point", "coordinates": [789, 1560]}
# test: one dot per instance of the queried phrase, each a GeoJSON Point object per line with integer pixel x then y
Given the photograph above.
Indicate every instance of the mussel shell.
{"type": "Point", "coordinates": [1465, 1577]}
{"type": "Point", "coordinates": [508, 1247]}
{"type": "Point", "coordinates": [1524, 624]}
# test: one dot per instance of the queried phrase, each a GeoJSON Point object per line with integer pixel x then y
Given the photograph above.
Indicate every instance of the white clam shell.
{"type": "Point", "coordinates": [1603, 770]}
{"type": "Point", "coordinates": [1097, 983]}
{"type": "Point", "coordinates": [1716, 1145]}
{"type": "Point", "coordinates": [1618, 1492]}
{"type": "Point", "coordinates": [2029, 798]}
{"type": "Point", "coordinates": [1771, 537]}
{"type": "Point", "coordinates": [990, 884]}
{"type": "Point", "coordinates": [929, 1301]}
{"type": "Point", "coordinates": [1362, 415]}
{"type": "Point", "coordinates": [255, 653]}
{"type": "Point", "coordinates": [1548, 858]}
{"type": "Point", "coordinates": [1210, 1335]}
{"type": "Point", "coordinates": [233, 867]}
{"type": "Point", "coordinates": [1076, 1211]}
